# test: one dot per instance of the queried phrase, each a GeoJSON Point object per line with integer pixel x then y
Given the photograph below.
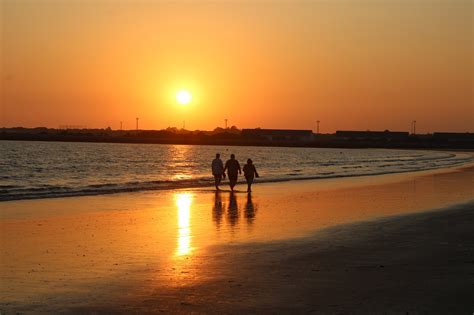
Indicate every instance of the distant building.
{"type": "Point", "coordinates": [278, 135]}
{"type": "Point", "coordinates": [465, 137]}
{"type": "Point", "coordinates": [372, 135]}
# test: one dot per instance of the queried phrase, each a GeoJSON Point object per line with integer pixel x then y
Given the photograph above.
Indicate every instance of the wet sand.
{"type": "Point", "coordinates": [357, 245]}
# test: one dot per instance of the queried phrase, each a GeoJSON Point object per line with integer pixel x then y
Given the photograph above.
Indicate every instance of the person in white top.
{"type": "Point", "coordinates": [217, 170]}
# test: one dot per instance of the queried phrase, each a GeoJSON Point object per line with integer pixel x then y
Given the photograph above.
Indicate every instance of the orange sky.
{"type": "Point", "coordinates": [352, 64]}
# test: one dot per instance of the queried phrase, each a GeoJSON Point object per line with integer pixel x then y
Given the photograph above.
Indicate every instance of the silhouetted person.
{"type": "Point", "coordinates": [217, 170]}
{"type": "Point", "coordinates": [233, 170]}
{"type": "Point", "coordinates": [250, 172]}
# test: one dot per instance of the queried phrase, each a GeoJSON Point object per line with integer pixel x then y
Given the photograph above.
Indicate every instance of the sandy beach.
{"type": "Point", "coordinates": [377, 244]}
{"type": "Point", "coordinates": [349, 124]}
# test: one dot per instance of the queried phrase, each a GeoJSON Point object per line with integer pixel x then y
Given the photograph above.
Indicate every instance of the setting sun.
{"type": "Point", "coordinates": [234, 156]}
{"type": "Point", "coordinates": [183, 97]}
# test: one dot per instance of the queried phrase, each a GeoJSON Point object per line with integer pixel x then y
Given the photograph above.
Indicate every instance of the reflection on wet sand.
{"type": "Point", "coordinates": [250, 209]}
{"type": "Point", "coordinates": [217, 210]}
{"type": "Point", "coordinates": [183, 202]}
{"type": "Point", "coordinates": [233, 210]}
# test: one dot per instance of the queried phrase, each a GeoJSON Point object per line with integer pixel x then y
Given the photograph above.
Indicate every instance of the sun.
{"type": "Point", "coordinates": [183, 97]}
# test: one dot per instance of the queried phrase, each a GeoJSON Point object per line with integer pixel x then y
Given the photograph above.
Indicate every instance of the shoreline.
{"type": "Point", "coordinates": [195, 250]}
{"type": "Point", "coordinates": [259, 182]}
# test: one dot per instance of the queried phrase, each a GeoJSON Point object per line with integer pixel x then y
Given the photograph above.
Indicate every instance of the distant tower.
{"type": "Point", "coordinates": [414, 127]}
{"type": "Point", "coordinates": [121, 124]}
{"type": "Point", "coordinates": [317, 127]}
{"type": "Point", "coordinates": [225, 123]}
{"type": "Point", "coordinates": [137, 122]}
{"type": "Point", "coordinates": [184, 124]}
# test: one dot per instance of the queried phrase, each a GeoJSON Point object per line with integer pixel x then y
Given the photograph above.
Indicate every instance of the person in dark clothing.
{"type": "Point", "coordinates": [232, 167]}
{"type": "Point", "coordinates": [250, 172]}
{"type": "Point", "coordinates": [217, 170]}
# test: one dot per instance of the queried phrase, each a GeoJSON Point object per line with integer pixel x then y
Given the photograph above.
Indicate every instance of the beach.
{"type": "Point", "coordinates": [349, 124]}
{"type": "Point", "coordinates": [393, 243]}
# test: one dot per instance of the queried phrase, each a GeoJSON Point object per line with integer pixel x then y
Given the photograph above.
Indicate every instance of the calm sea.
{"type": "Point", "coordinates": [56, 169]}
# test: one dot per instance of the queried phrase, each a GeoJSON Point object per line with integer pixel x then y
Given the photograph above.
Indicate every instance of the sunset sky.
{"type": "Point", "coordinates": [352, 64]}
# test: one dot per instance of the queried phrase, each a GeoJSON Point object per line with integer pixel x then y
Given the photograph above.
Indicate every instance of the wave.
{"type": "Point", "coordinates": [12, 192]}
{"type": "Point", "coordinates": [97, 189]}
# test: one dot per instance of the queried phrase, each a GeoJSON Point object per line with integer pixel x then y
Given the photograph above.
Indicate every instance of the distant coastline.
{"type": "Point", "coordinates": [249, 137]}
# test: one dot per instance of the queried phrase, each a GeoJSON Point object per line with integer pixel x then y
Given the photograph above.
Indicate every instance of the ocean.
{"type": "Point", "coordinates": [32, 170]}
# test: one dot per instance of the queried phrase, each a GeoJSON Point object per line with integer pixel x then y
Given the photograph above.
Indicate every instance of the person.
{"type": "Point", "coordinates": [217, 170]}
{"type": "Point", "coordinates": [250, 172]}
{"type": "Point", "coordinates": [233, 169]}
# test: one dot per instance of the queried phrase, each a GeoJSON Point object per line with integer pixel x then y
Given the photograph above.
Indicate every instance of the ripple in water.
{"type": "Point", "coordinates": [57, 169]}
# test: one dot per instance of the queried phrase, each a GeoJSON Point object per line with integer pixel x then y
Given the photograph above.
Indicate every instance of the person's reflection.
{"type": "Point", "coordinates": [250, 209]}
{"type": "Point", "coordinates": [233, 210]}
{"type": "Point", "coordinates": [217, 209]}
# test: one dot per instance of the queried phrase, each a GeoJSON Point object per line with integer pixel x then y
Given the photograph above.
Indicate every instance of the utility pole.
{"type": "Point", "coordinates": [137, 123]}
{"type": "Point", "coordinates": [414, 127]}
{"type": "Point", "coordinates": [184, 124]}
{"type": "Point", "coordinates": [121, 124]}
{"type": "Point", "coordinates": [225, 123]}
{"type": "Point", "coordinates": [317, 127]}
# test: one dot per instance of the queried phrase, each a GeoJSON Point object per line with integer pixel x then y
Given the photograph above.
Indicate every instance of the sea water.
{"type": "Point", "coordinates": [31, 170]}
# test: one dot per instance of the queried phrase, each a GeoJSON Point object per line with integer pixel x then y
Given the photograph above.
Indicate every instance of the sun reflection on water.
{"type": "Point", "coordinates": [183, 202]}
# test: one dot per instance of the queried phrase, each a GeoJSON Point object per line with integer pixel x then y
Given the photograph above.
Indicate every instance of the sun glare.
{"type": "Point", "coordinates": [183, 97]}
